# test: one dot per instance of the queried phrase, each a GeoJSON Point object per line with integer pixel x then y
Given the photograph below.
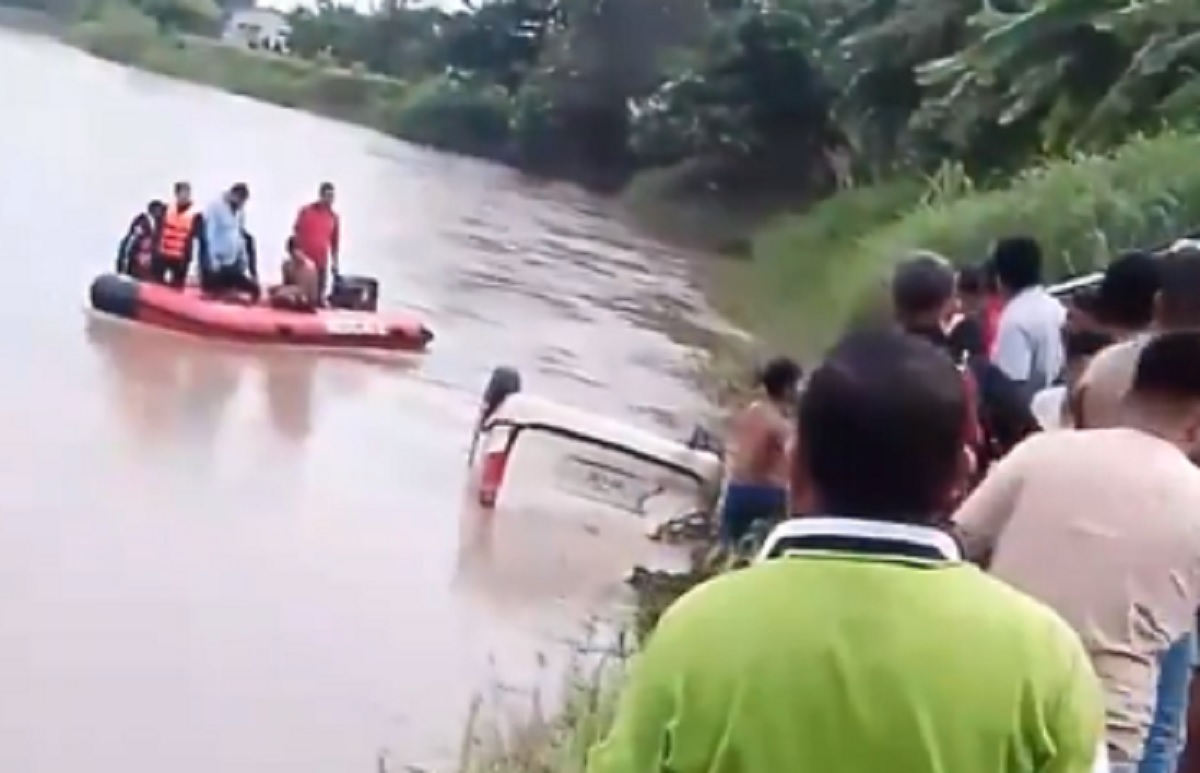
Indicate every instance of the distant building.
{"type": "Point", "coordinates": [262, 28]}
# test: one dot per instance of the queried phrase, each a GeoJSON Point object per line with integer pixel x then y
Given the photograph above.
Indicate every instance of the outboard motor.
{"type": "Point", "coordinates": [504, 381]}
{"type": "Point", "coordinates": [354, 293]}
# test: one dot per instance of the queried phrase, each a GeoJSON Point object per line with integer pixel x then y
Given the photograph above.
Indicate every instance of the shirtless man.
{"type": "Point", "coordinates": [759, 470]}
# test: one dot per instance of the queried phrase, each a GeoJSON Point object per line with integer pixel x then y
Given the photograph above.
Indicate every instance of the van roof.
{"type": "Point", "coordinates": [1074, 285]}
{"type": "Point", "coordinates": [529, 410]}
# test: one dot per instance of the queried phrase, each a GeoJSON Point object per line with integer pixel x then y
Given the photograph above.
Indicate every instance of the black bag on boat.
{"type": "Point", "coordinates": [355, 293]}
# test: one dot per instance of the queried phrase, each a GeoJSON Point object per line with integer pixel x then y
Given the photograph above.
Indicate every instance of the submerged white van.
{"type": "Point", "coordinates": [530, 447]}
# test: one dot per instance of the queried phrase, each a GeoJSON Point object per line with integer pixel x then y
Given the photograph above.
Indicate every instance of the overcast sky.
{"type": "Point", "coordinates": [362, 5]}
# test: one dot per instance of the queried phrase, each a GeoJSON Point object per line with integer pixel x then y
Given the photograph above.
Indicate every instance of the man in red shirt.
{"type": "Point", "coordinates": [317, 235]}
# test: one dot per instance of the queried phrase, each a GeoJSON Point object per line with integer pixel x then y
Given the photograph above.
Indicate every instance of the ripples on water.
{"type": "Point", "coordinates": [218, 559]}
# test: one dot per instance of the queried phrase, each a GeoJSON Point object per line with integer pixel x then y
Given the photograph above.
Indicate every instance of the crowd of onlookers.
{"type": "Point", "coordinates": [992, 563]}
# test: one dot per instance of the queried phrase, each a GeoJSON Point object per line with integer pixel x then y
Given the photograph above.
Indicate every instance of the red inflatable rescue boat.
{"type": "Point", "coordinates": [188, 311]}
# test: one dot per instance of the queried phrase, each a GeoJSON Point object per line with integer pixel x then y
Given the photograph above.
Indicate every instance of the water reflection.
{"type": "Point", "coordinates": [172, 387]}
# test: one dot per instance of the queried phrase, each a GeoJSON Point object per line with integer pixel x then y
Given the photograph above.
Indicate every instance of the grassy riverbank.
{"type": "Point", "coordinates": [813, 273]}
{"type": "Point", "coordinates": [124, 35]}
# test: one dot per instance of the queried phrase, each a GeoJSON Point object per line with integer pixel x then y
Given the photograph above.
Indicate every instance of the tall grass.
{"type": "Point", "coordinates": [813, 273]}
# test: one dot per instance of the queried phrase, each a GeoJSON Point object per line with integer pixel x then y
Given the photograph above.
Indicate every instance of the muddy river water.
{"type": "Point", "coordinates": [226, 560]}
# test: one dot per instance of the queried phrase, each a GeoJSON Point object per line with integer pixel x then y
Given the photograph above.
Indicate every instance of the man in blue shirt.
{"type": "Point", "coordinates": [1029, 345]}
{"type": "Point", "coordinates": [227, 271]}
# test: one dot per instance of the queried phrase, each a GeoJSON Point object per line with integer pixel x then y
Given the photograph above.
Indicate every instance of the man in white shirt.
{"type": "Point", "coordinates": [1029, 343]}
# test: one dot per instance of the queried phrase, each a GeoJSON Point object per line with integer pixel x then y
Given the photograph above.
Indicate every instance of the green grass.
{"type": "Point", "coordinates": [123, 35]}
{"type": "Point", "coordinates": [813, 273]}
{"type": "Point", "coordinates": [541, 739]}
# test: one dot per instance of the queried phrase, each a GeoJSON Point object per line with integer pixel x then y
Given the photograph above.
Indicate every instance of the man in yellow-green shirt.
{"type": "Point", "coordinates": [861, 642]}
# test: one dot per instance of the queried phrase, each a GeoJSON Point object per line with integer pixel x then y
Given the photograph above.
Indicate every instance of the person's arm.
{"type": "Point", "coordinates": [1013, 353]}
{"type": "Point", "coordinates": [981, 519]}
{"type": "Point", "coordinates": [335, 240]}
{"type": "Point", "coordinates": [1189, 761]}
{"type": "Point", "coordinates": [156, 233]}
{"type": "Point", "coordinates": [202, 239]}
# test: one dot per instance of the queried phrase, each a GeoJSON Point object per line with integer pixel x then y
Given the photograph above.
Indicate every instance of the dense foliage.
{"type": "Point", "coordinates": [793, 89]}
{"type": "Point", "coordinates": [807, 93]}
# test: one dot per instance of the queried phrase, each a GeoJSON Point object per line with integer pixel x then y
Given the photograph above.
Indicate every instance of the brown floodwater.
{"type": "Point", "coordinates": [220, 559]}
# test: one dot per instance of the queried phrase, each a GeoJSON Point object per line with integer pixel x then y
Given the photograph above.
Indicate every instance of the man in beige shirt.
{"type": "Point", "coordinates": [1096, 401]}
{"type": "Point", "coordinates": [1104, 527]}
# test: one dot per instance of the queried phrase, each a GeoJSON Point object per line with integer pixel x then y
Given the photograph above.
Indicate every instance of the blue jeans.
{"type": "Point", "coordinates": [1165, 741]}
{"type": "Point", "coordinates": [745, 503]}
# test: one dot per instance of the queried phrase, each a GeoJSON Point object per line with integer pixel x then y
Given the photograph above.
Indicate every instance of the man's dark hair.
{"type": "Point", "coordinates": [1084, 343]}
{"type": "Point", "coordinates": [182, 186]}
{"type": "Point", "coordinates": [1179, 296]}
{"type": "Point", "coordinates": [1126, 294]}
{"type": "Point", "coordinates": [326, 187]}
{"type": "Point", "coordinates": [780, 376]}
{"type": "Point", "coordinates": [972, 280]}
{"type": "Point", "coordinates": [240, 189]}
{"type": "Point", "coordinates": [156, 207]}
{"type": "Point", "coordinates": [922, 285]}
{"type": "Point", "coordinates": [881, 428]}
{"type": "Point", "coordinates": [1018, 262]}
{"type": "Point", "coordinates": [1169, 367]}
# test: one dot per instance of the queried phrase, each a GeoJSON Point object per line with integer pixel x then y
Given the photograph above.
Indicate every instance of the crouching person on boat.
{"type": "Point", "coordinates": [226, 270]}
{"type": "Point", "coordinates": [178, 237]}
{"type": "Point", "coordinates": [137, 246]}
{"type": "Point", "coordinates": [301, 287]}
{"type": "Point", "coordinates": [759, 470]}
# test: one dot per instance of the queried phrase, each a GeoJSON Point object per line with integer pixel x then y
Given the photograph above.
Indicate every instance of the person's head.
{"type": "Point", "coordinates": [1125, 298]}
{"type": "Point", "coordinates": [291, 247]}
{"type": "Point", "coordinates": [780, 378]}
{"type": "Point", "coordinates": [1018, 263]}
{"type": "Point", "coordinates": [974, 287]}
{"type": "Point", "coordinates": [1177, 306]}
{"type": "Point", "coordinates": [1165, 395]}
{"type": "Point", "coordinates": [238, 195]}
{"type": "Point", "coordinates": [923, 292]}
{"type": "Point", "coordinates": [1080, 345]}
{"type": "Point", "coordinates": [1083, 311]}
{"type": "Point", "coordinates": [183, 194]}
{"type": "Point", "coordinates": [156, 209]}
{"type": "Point", "coordinates": [882, 429]}
{"type": "Point", "coordinates": [325, 194]}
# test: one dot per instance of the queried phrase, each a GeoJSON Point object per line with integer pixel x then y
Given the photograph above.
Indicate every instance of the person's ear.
{"type": "Point", "coordinates": [964, 473]}
{"type": "Point", "coordinates": [1189, 430]}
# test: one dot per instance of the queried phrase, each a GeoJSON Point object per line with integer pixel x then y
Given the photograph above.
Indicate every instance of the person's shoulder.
{"type": "Point", "coordinates": [1111, 361]}
{"type": "Point", "coordinates": [709, 605]}
{"type": "Point", "coordinates": [1028, 620]}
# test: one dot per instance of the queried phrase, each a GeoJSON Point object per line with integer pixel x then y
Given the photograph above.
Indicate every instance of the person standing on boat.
{"type": "Point", "coordinates": [759, 470]}
{"type": "Point", "coordinates": [226, 271]}
{"type": "Point", "coordinates": [317, 235]}
{"type": "Point", "coordinates": [177, 239]}
{"type": "Point", "coordinates": [137, 246]}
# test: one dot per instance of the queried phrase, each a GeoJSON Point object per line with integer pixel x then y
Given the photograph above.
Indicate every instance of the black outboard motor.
{"type": "Point", "coordinates": [354, 293]}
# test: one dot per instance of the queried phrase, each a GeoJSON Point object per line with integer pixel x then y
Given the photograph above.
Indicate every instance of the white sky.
{"type": "Point", "coordinates": [362, 5]}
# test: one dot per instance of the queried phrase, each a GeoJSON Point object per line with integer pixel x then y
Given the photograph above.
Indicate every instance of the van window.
{"type": "Point", "coordinates": [545, 460]}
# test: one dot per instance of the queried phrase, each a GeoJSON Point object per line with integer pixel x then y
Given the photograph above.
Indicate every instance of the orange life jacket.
{"type": "Point", "coordinates": [176, 232]}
